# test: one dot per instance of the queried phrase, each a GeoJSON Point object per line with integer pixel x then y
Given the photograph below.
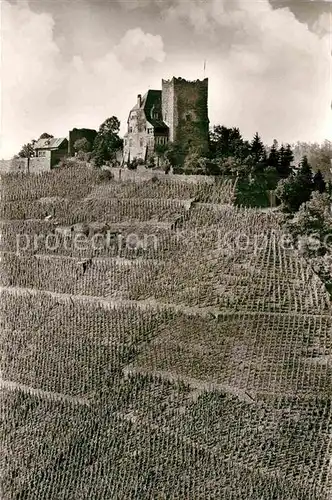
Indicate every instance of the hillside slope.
{"type": "Point", "coordinates": [189, 360]}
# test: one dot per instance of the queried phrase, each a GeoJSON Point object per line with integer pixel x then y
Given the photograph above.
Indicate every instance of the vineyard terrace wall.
{"type": "Point", "coordinates": [143, 174]}
{"type": "Point", "coordinates": [32, 165]}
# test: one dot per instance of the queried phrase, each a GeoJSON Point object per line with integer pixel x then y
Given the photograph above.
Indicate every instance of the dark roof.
{"type": "Point", "coordinates": [52, 143]}
{"type": "Point", "coordinates": [150, 100]}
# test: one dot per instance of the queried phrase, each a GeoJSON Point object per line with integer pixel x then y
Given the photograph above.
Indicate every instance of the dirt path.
{"type": "Point", "coordinates": [53, 396]}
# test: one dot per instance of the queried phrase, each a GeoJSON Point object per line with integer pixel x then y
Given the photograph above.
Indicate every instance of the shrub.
{"type": "Point", "coordinates": [151, 162]}
{"type": "Point", "coordinates": [105, 175]}
{"type": "Point", "coordinates": [132, 165]}
{"type": "Point", "coordinates": [194, 164]}
{"type": "Point", "coordinates": [82, 145]}
{"type": "Point", "coordinates": [68, 163]}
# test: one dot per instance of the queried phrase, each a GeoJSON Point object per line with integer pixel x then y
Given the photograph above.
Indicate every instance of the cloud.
{"type": "Point", "coordinates": [267, 71]}
{"type": "Point", "coordinates": [323, 25]}
{"type": "Point", "coordinates": [273, 74]}
{"type": "Point", "coordinates": [44, 90]}
{"type": "Point", "coordinates": [29, 62]}
{"type": "Point", "coordinates": [136, 47]}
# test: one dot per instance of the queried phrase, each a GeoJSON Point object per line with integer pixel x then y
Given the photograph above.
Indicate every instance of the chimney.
{"type": "Point", "coordinates": [139, 99]}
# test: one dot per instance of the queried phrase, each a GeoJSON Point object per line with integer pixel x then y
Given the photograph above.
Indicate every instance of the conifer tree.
{"type": "Point", "coordinates": [257, 151]}
{"type": "Point", "coordinates": [319, 182]}
{"type": "Point", "coordinates": [305, 172]}
{"type": "Point", "coordinates": [273, 159]}
{"type": "Point", "coordinates": [289, 155]}
{"type": "Point", "coordinates": [285, 160]}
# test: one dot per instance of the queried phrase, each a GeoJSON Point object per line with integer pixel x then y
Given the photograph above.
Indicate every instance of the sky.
{"type": "Point", "coordinates": [74, 63]}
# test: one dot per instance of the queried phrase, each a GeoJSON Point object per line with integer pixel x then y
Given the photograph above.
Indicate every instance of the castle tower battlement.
{"type": "Point", "coordinates": [185, 112]}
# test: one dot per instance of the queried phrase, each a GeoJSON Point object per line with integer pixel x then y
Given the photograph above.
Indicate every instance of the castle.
{"type": "Point", "coordinates": [177, 113]}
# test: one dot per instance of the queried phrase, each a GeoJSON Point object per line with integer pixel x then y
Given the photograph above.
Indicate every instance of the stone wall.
{"type": "Point", "coordinates": [143, 174]}
{"type": "Point", "coordinates": [13, 165]}
{"type": "Point", "coordinates": [191, 103]}
{"type": "Point", "coordinates": [32, 165]}
{"type": "Point", "coordinates": [169, 111]}
{"type": "Point", "coordinates": [80, 133]}
{"type": "Point", "coordinates": [138, 140]}
{"type": "Point", "coordinates": [39, 165]}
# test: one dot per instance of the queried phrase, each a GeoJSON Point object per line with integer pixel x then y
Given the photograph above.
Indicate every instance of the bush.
{"type": "Point", "coordinates": [132, 165]}
{"type": "Point", "coordinates": [105, 175]}
{"type": "Point", "coordinates": [82, 145]}
{"type": "Point", "coordinates": [194, 164]}
{"type": "Point", "coordinates": [68, 163]}
{"type": "Point", "coordinates": [151, 162]}
{"type": "Point", "coordinates": [84, 156]}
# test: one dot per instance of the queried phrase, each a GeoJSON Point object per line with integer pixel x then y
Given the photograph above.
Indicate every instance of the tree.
{"type": "Point", "coordinates": [305, 174]}
{"type": "Point", "coordinates": [297, 188]}
{"type": "Point", "coordinates": [233, 166]}
{"type": "Point", "coordinates": [107, 141]}
{"type": "Point", "coordinates": [82, 145]}
{"type": "Point", "coordinates": [45, 135]}
{"type": "Point", "coordinates": [226, 142]}
{"type": "Point", "coordinates": [27, 150]}
{"type": "Point", "coordinates": [160, 151]}
{"type": "Point", "coordinates": [273, 158]}
{"type": "Point", "coordinates": [175, 155]}
{"type": "Point", "coordinates": [271, 178]}
{"type": "Point", "coordinates": [286, 158]}
{"type": "Point", "coordinates": [319, 156]}
{"type": "Point", "coordinates": [194, 164]}
{"type": "Point", "coordinates": [319, 183]}
{"type": "Point", "coordinates": [289, 193]}
{"type": "Point", "coordinates": [313, 223]}
{"type": "Point", "coordinates": [257, 149]}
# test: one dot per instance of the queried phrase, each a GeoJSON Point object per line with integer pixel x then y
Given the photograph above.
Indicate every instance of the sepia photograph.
{"type": "Point", "coordinates": [166, 250]}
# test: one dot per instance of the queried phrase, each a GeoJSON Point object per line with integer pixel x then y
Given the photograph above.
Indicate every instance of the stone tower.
{"type": "Point", "coordinates": [185, 112]}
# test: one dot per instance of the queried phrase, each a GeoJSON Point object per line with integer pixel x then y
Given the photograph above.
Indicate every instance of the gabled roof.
{"type": "Point", "coordinates": [150, 100]}
{"type": "Point", "coordinates": [53, 143]}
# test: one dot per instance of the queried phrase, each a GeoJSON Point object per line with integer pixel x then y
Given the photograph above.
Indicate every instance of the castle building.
{"type": "Point", "coordinates": [177, 113]}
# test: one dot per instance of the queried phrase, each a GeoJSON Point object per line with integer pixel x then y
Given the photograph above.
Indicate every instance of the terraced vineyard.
{"type": "Point", "coordinates": [188, 355]}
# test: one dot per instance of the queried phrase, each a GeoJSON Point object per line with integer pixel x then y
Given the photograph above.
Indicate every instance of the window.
{"type": "Point", "coordinates": [130, 143]}
{"type": "Point", "coordinates": [141, 142]}
{"type": "Point", "coordinates": [130, 130]}
{"type": "Point", "coordinates": [188, 118]}
{"type": "Point", "coordinates": [42, 154]}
